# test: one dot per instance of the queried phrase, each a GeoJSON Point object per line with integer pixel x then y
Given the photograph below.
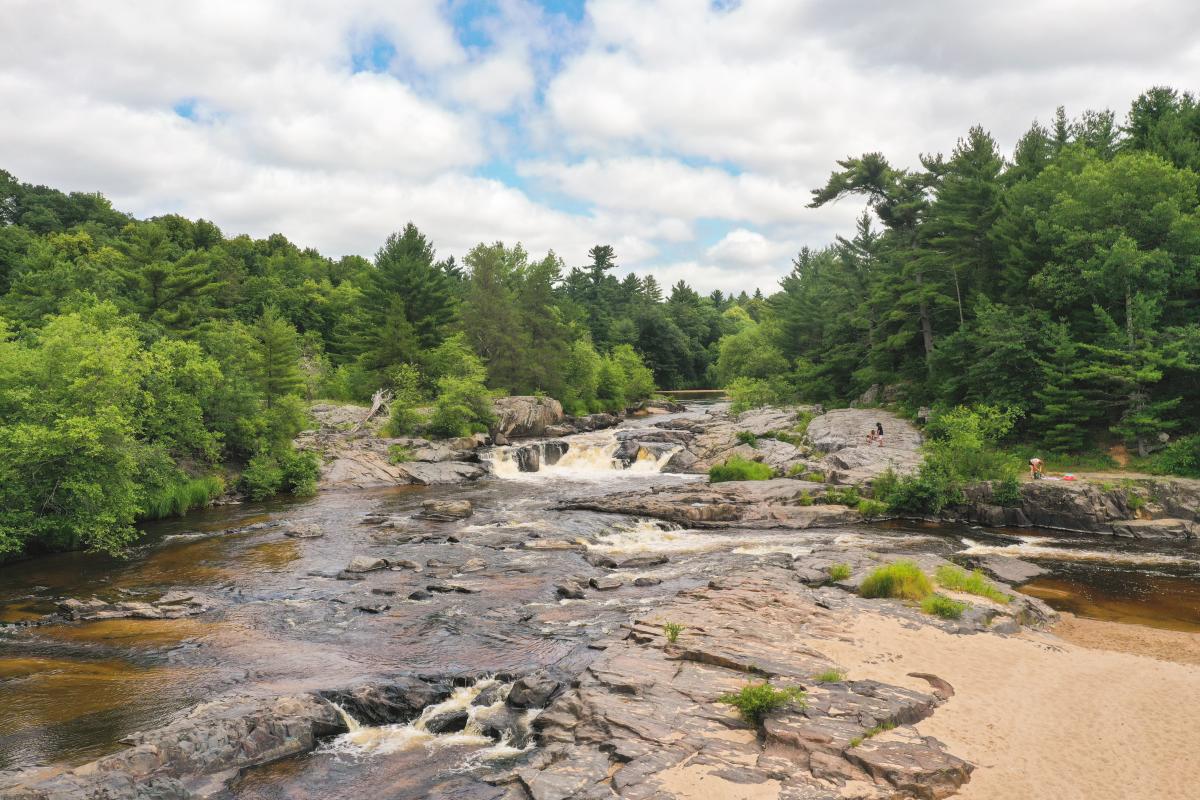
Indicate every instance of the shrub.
{"type": "Point", "coordinates": [1007, 490]}
{"type": "Point", "coordinates": [943, 606]}
{"type": "Point", "coordinates": [746, 437]}
{"type": "Point", "coordinates": [805, 499]}
{"type": "Point", "coordinates": [814, 477]}
{"type": "Point", "coordinates": [755, 700]}
{"type": "Point", "coordinates": [955, 579]}
{"type": "Point", "coordinates": [739, 469]}
{"type": "Point", "coordinates": [841, 497]}
{"type": "Point", "coordinates": [1134, 500]}
{"type": "Point", "coordinates": [182, 495]}
{"type": "Point", "coordinates": [747, 393]}
{"type": "Point", "coordinates": [269, 473]}
{"type": "Point", "coordinates": [839, 572]}
{"type": "Point", "coordinates": [872, 508]}
{"type": "Point", "coordinates": [262, 477]}
{"type": "Point", "coordinates": [463, 407]}
{"type": "Point", "coordinates": [1181, 457]}
{"type": "Point", "coordinates": [399, 454]}
{"type": "Point", "coordinates": [403, 416]}
{"type": "Point", "coordinates": [672, 630]}
{"type": "Point", "coordinates": [903, 580]}
{"type": "Point", "coordinates": [830, 676]}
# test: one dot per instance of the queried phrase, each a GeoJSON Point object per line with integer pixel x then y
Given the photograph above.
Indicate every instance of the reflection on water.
{"type": "Point", "coordinates": [1155, 600]}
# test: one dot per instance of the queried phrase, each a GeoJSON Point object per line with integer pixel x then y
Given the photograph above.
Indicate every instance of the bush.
{"type": "Point", "coordinates": [403, 416]}
{"type": "Point", "coordinates": [755, 700]}
{"type": "Point", "coordinates": [805, 499]}
{"type": "Point", "coordinates": [399, 454]}
{"type": "Point", "coordinates": [839, 572]}
{"type": "Point", "coordinates": [975, 583]}
{"type": "Point", "coordinates": [672, 630]}
{"type": "Point", "coordinates": [841, 497]}
{"type": "Point", "coordinates": [739, 469]}
{"type": "Point", "coordinates": [746, 437]}
{"type": "Point", "coordinates": [1181, 457]}
{"type": "Point", "coordinates": [463, 407]}
{"type": "Point", "coordinates": [270, 473]}
{"type": "Point", "coordinates": [1007, 490]}
{"type": "Point", "coordinates": [262, 477]}
{"type": "Point", "coordinates": [300, 470]}
{"type": "Point", "coordinates": [639, 379]}
{"type": "Point", "coordinates": [830, 676]}
{"type": "Point", "coordinates": [182, 495]}
{"type": "Point", "coordinates": [871, 509]}
{"type": "Point", "coordinates": [748, 393]}
{"type": "Point", "coordinates": [943, 606]}
{"type": "Point", "coordinates": [903, 580]}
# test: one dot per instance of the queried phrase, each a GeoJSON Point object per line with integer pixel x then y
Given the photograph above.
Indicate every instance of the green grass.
{"type": "Point", "coordinates": [878, 729]}
{"type": "Point", "coordinates": [672, 630]}
{"type": "Point", "coordinates": [842, 497]}
{"type": "Point", "coordinates": [975, 583]}
{"type": "Point", "coordinates": [746, 437]}
{"type": "Point", "coordinates": [942, 606]}
{"type": "Point", "coordinates": [839, 572]}
{"type": "Point", "coordinates": [903, 580]}
{"type": "Point", "coordinates": [1088, 461]}
{"type": "Point", "coordinates": [178, 498]}
{"type": "Point", "coordinates": [399, 454]}
{"type": "Point", "coordinates": [830, 676]}
{"type": "Point", "coordinates": [755, 700]}
{"type": "Point", "coordinates": [739, 469]}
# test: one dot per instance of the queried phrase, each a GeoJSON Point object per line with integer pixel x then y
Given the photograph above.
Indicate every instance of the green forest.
{"type": "Point", "coordinates": [1061, 284]}
{"type": "Point", "coordinates": [148, 366]}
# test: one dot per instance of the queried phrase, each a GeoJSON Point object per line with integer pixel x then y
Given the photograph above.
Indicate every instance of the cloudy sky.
{"type": "Point", "coordinates": [686, 133]}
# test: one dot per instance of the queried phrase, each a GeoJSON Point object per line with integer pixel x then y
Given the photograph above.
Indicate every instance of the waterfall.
{"type": "Point", "coordinates": [586, 455]}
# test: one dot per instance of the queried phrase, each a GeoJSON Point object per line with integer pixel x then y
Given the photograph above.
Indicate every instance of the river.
{"type": "Point", "coordinates": [283, 622]}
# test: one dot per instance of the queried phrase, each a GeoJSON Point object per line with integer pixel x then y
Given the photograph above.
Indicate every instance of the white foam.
{"type": "Point", "coordinates": [1033, 548]}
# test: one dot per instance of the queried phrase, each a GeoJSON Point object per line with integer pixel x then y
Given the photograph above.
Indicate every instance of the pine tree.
{"type": "Point", "coordinates": [491, 318]}
{"type": "Point", "coordinates": [278, 363]}
{"type": "Point", "coordinates": [1064, 406]}
{"type": "Point", "coordinates": [405, 270]}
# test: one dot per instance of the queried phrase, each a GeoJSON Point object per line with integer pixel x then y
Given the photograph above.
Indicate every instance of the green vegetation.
{"type": "Point", "coordinates": [737, 468]}
{"type": "Point", "coordinates": [399, 454]}
{"type": "Point", "coordinates": [902, 579]}
{"type": "Point", "coordinates": [747, 393]}
{"type": "Point", "coordinates": [839, 572]}
{"type": "Point", "coordinates": [183, 495]}
{"type": "Point", "coordinates": [878, 729]}
{"type": "Point", "coordinates": [870, 509]}
{"type": "Point", "coordinates": [830, 676]}
{"type": "Point", "coordinates": [1057, 280]}
{"type": "Point", "coordinates": [755, 700]}
{"type": "Point", "coordinates": [957, 580]}
{"type": "Point", "coordinates": [805, 499]}
{"type": "Point", "coordinates": [842, 497]}
{"type": "Point", "coordinates": [746, 437]}
{"type": "Point", "coordinates": [942, 606]}
{"type": "Point", "coordinates": [672, 630]}
{"type": "Point", "coordinates": [139, 356]}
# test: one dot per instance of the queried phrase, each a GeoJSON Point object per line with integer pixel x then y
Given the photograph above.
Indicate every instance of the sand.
{"type": "Point", "coordinates": [1165, 645]}
{"type": "Point", "coordinates": [1039, 716]}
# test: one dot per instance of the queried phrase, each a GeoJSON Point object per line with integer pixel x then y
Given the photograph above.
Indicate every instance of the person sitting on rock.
{"type": "Point", "coordinates": [1036, 468]}
{"type": "Point", "coordinates": [879, 433]}
{"type": "Point", "coordinates": [871, 435]}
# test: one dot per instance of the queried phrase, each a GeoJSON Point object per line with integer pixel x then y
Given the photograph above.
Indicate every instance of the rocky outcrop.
{"type": "Point", "coordinates": [778, 503]}
{"type": "Point", "coordinates": [445, 510]}
{"type": "Point", "coordinates": [172, 605]}
{"type": "Point", "coordinates": [196, 755]}
{"type": "Point", "coordinates": [644, 720]}
{"type": "Point", "coordinates": [524, 416]}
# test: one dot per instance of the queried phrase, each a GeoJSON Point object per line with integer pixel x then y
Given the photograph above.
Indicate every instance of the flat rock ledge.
{"type": "Point", "coordinates": [643, 720]}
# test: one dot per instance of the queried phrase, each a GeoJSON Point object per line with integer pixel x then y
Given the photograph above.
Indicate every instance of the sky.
{"type": "Point", "coordinates": [688, 134]}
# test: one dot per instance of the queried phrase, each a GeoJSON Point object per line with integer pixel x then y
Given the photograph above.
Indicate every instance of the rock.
{"type": "Point", "coordinates": [447, 722]}
{"type": "Point", "coordinates": [600, 560]}
{"type": "Point", "coordinates": [551, 544]}
{"type": "Point", "coordinates": [641, 562]}
{"type": "Point", "coordinates": [403, 563]}
{"type": "Point", "coordinates": [606, 583]}
{"type": "Point", "coordinates": [1177, 529]}
{"type": "Point", "coordinates": [365, 564]}
{"type": "Point", "coordinates": [532, 691]}
{"type": "Point", "coordinates": [500, 440]}
{"type": "Point", "coordinates": [450, 588]}
{"type": "Point", "coordinates": [522, 416]}
{"type": "Point", "coordinates": [172, 605]}
{"type": "Point", "coordinates": [1010, 570]}
{"type": "Point", "coordinates": [445, 510]}
{"type": "Point", "coordinates": [473, 565]}
{"type": "Point", "coordinates": [441, 473]}
{"type": "Point", "coordinates": [304, 532]}
{"type": "Point", "coordinates": [420, 594]}
{"type": "Point", "coordinates": [646, 580]}
{"type": "Point", "coordinates": [572, 590]}
{"type": "Point", "coordinates": [911, 763]}
{"type": "Point", "coordinates": [529, 459]}
{"type": "Point", "coordinates": [490, 695]}
{"type": "Point", "coordinates": [848, 427]}
{"type": "Point", "coordinates": [373, 608]}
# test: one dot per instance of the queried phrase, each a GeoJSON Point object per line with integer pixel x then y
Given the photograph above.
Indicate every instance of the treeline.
{"type": "Point", "coordinates": [1062, 282]}
{"type": "Point", "coordinates": [145, 363]}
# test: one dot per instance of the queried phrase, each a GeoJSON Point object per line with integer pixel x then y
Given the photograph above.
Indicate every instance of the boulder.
{"type": "Point", "coordinates": [447, 722]}
{"type": "Point", "coordinates": [445, 510]}
{"type": "Point", "coordinates": [525, 415]}
{"type": "Point", "coordinates": [569, 589]}
{"type": "Point", "coordinates": [533, 691]}
{"type": "Point", "coordinates": [606, 583]}
{"type": "Point", "coordinates": [366, 564]}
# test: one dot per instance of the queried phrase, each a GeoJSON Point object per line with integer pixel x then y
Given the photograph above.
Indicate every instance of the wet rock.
{"type": "Point", "coordinates": [445, 510]}
{"type": "Point", "coordinates": [1010, 570]}
{"type": "Point", "coordinates": [529, 459]}
{"type": "Point", "coordinates": [366, 564]}
{"type": "Point", "coordinates": [521, 416]}
{"type": "Point", "coordinates": [304, 532]}
{"type": "Point", "coordinates": [398, 700]}
{"type": "Point", "coordinates": [646, 580]}
{"type": "Point", "coordinates": [641, 562]}
{"type": "Point", "coordinates": [398, 564]}
{"type": "Point", "coordinates": [451, 588]}
{"type": "Point", "coordinates": [1177, 529]}
{"type": "Point", "coordinates": [600, 560]}
{"type": "Point", "coordinates": [373, 608]}
{"type": "Point", "coordinates": [447, 722]}
{"type": "Point", "coordinates": [606, 583]}
{"type": "Point", "coordinates": [532, 691]}
{"type": "Point", "coordinates": [420, 594]}
{"type": "Point", "coordinates": [473, 565]}
{"type": "Point", "coordinates": [551, 544]}
{"type": "Point", "coordinates": [490, 695]}
{"type": "Point", "coordinates": [172, 605]}
{"type": "Point", "coordinates": [572, 590]}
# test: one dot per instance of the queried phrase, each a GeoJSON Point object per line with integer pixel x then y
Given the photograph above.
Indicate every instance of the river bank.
{"type": "Point", "coordinates": [535, 585]}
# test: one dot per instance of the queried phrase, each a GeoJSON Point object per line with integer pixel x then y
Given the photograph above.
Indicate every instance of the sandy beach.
{"type": "Point", "coordinates": [1043, 716]}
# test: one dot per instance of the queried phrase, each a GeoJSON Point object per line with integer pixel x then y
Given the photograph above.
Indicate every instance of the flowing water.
{"type": "Point", "coordinates": [283, 622]}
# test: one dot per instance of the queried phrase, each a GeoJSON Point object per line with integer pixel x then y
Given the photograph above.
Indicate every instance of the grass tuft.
{"type": "Point", "coordinates": [942, 606]}
{"type": "Point", "coordinates": [957, 580]}
{"type": "Point", "coordinates": [839, 572]}
{"type": "Point", "coordinates": [830, 676]}
{"type": "Point", "coordinates": [755, 700]}
{"type": "Point", "coordinates": [672, 630]}
{"type": "Point", "coordinates": [903, 580]}
{"type": "Point", "coordinates": [739, 469]}
{"type": "Point", "coordinates": [178, 498]}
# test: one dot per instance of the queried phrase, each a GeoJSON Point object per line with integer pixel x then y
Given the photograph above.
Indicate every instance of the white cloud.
{"type": "Point", "coordinates": [653, 125]}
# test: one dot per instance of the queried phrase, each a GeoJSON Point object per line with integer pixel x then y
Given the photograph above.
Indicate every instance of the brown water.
{"type": "Point", "coordinates": [282, 623]}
